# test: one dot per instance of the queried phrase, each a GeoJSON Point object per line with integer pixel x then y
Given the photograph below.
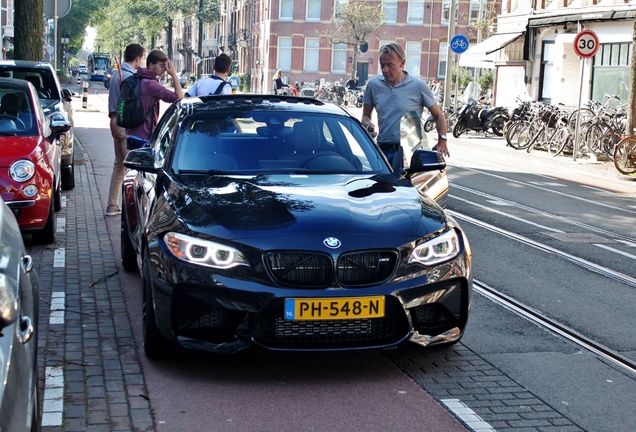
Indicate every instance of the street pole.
{"type": "Point", "coordinates": [449, 55]}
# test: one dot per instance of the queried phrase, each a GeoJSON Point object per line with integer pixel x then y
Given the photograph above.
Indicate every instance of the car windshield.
{"type": "Point", "coordinates": [16, 113]}
{"type": "Point", "coordinates": [41, 79]}
{"type": "Point", "coordinates": [274, 142]}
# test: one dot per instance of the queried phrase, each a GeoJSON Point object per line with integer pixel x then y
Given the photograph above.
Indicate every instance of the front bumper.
{"type": "Point", "coordinates": [200, 309]}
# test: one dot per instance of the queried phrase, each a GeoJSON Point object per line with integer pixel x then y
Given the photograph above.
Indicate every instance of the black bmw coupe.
{"type": "Point", "coordinates": [276, 221]}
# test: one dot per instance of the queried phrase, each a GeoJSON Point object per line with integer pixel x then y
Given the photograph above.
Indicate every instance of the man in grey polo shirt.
{"type": "Point", "coordinates": [393, 94]}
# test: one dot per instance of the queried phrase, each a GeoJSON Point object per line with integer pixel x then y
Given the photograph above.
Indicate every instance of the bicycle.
{"type": "Point", "coordinates": [625, 155]}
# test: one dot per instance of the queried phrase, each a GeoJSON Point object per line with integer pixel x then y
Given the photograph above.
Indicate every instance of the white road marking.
{"type": "Point", "coordinates": [53, 396]}
{"type": "Point", "coordinates": [61, 224]}
{"type": "Point", "coordinates": [58, 306]}
{"type": "Point", "coordinates": [59, 257]}
{"type": "Point", "coordinates": [468, 416]}
{"type": "Point", "coordinates": [628, 255]}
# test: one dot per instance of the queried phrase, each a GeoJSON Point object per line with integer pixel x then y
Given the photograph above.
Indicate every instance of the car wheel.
{"type": "Point", "coordinates": [57, 197]}
{"type": "Point", "coordinates": [458, 130]}
{"type": "Point", "coordinates": [128, 255]}
{"type": "Point", "coordinates": [429, 125]}
{"type": "Point", "coordinates": [47, 234]}
{"type": "Point", "coordinates": [68, 177]}
{"type": "Point", "coordinates": [155, 345]}
{"type": "Point", "coordinates": [35, 414]}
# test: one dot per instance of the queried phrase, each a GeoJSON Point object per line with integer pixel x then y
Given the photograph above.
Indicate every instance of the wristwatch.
{"type": "Point", "coordinates": [442, 137]}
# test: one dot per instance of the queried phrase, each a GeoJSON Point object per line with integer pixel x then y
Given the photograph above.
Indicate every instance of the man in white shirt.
{"type": "Point", "coordinates": [212, 85]}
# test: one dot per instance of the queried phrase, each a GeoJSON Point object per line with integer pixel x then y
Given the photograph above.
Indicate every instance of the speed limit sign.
{"type": "Point", "coordinates": [586, 44]}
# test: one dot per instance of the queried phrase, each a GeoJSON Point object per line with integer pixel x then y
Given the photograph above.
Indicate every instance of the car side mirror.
{"type": "Point", "coordinates": [426, 160]}
{"type": "Point", "coordinates": [142, 159]}
{"type": "Point", "coordinates": [59, 124]}
{"type": "Point", "coordinates": [67, 95]}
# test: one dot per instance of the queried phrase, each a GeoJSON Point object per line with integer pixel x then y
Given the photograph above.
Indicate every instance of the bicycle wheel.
{"type": "Point", "coordinates": [558, 141]}
{"type": "Point", "coordinates": [538, 135]}
{"type": "Point", "coordinates": [512, 132]}
{"type": "Point", "coordinates": [625, 156]}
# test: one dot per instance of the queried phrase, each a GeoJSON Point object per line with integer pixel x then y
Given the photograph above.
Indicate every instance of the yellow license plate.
{"type": "Point", "coordinates": [334, 308]}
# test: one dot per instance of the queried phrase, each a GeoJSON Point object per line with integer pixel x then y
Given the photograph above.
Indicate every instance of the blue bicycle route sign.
{"type": "Point", "coordinates": [459, 44]}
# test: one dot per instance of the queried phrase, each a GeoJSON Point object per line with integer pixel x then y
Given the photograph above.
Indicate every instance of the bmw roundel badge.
{"type": "Point", "coordinates": [332, 242]}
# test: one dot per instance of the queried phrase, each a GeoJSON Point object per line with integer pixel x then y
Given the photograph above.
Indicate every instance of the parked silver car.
{"type": "Point", "coordinates": [19, 297]}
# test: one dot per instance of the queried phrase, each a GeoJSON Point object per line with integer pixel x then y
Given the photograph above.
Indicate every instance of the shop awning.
{"type": "Point", "coordinates": [480, 55]}
{"type": "Point", "coordinates": [611, 15]}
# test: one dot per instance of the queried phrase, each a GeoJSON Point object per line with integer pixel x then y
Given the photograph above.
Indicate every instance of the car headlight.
{"type": "Point", "coordinates": [22, 170]}
{"type": "Point", "coordinates": [203, 252]}
{"type": "Point", "coordinates": [442, 248]}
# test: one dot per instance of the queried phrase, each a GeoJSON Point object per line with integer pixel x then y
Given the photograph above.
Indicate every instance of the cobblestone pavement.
{"type": "Point", "coordinates": [90, 374]}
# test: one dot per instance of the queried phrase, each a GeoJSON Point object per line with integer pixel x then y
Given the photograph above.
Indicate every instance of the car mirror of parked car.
{"type": "Point", "coordinates": [142, 159]}
{"type": "Point", "coordinates": [59, 124]}
{"type": "Point", "coordinates": [426, 160]}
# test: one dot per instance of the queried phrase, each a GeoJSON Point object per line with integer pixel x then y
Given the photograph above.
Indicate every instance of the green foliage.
{"type": "Point", "coordinates": [464, 76]}
{"type": "Point", "coordinates": [486, 79]}
{"type": "Point", "coordinates": [245, 82]}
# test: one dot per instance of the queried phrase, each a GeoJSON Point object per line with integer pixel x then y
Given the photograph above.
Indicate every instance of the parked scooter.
{"type": "Point", "coordinates": [479, 118]}
{"type": "Point", "coordinates": [359, 98]}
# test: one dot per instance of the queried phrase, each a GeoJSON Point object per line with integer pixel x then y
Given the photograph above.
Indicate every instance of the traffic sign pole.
{"type": "Point", "coordinates": [585, 45]}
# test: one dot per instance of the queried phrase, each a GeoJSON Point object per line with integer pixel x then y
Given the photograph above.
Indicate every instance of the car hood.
{"type": "Point", "coordinates": [281, 206]}
{"type": "Point", "coordinates": [17, 147]}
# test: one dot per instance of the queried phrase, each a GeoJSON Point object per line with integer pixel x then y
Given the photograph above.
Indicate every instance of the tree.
{"type": "Point", "coordinates": [353, 22]}
{"type": "Point", "coordinates": [28, 19]}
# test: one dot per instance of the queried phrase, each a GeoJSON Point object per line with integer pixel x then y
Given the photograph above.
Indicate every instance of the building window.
{"type": "Point", "coordinates": [413, 58]}
{"type": "Point", "coordinates": [389, 11]}
{"type": "Point", "coordinates": [477, 8]}
{"type": "Point", "coordinates": [416, 12]}
{"type": "Point", "coordinates": [446, 7]}
{"type": "Point", "coordinates": [441, 62]}
{"type": "Point", "coordinates": [339, 58]}
{"type": "Point", "coordinates": [286, 10]}
{"type": "Point", "coordinates": [313, 10]}
{"type": "Point", "coordinates": [547, 72]}
{"type": "Point", "coordinates": [284, 53]}
{"type": "Point", "coordinates": [312, 53]}
{"type": "Point", "coordinates": [338, 6]}
{"type": "Point", "coordinates": [611, 73]}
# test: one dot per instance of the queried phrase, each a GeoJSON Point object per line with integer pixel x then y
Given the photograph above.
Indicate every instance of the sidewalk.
{"type": "Point", "coordinates": [90, 374]}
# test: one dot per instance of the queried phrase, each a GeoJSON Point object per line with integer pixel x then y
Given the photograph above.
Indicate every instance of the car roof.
{"type": "Point", "coordinates": [265, 102]}
{"type": "Point", "coordinates": [25, 63]}
{"type": "Point", "coordinates": [14, 83]}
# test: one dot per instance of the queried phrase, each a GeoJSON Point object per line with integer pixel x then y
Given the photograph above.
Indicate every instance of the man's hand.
{"type": "Point", "coordinates": [442, 148]}
{"type": "Point", "coordinates": [171, 70]}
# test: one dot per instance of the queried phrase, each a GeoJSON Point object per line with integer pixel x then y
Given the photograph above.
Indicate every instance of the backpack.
{"type": "Point", "coordinates": [130, 112]}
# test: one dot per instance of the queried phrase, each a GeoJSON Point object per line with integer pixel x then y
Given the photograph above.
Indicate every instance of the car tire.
{"type": "Point", "coordinates": [128, 255]}
{"type": "Point", "coordinates": [47, 234]}
{"type": "Point", "coordinates": [68, 177]}
{"type": "Point", "coordinates": [155, 345]}
{"type": "Point", "coordinates": [36, 422]}
{"type": "Point", "coordinates": [57, 197]}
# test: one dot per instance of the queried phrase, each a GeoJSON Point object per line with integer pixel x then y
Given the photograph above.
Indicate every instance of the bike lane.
{"type": "Point", "coordinates": [256, 390]}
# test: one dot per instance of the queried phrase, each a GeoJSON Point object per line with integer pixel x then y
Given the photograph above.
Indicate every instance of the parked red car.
{"type": "Point", "coordinates": [30, 158]}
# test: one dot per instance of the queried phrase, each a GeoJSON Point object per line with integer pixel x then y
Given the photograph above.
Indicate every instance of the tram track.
{"type": "Point", "coordinates": [554, 326]}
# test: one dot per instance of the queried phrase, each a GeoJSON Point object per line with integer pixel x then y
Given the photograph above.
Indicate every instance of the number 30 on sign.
{"type": "Point", "coordinates": [586, 44]}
